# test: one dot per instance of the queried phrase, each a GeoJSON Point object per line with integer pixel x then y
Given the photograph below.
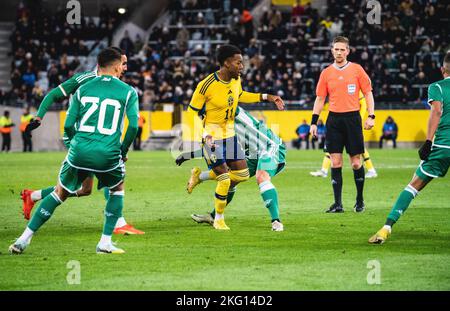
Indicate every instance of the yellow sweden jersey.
{"type": "Point", "coordinates": [217, 101]}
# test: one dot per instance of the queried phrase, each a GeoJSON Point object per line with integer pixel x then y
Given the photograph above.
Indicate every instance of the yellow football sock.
{"type": "Point", "coordinates": [223, 185]}
{"type": "Point", "coordinates": [240, 175]}
{"type": "Point", "coordinates": [212, 175]}
{"type": "Point", "coordinates": [367, 161]}
{"type": "Point", "coordinates": [326, 162]}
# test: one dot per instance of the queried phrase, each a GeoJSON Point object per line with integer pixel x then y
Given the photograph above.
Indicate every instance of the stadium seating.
{"type": "Point", "coordinates": [285, 49]}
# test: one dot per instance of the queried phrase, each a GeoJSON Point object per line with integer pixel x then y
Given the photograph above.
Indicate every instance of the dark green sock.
{"type": "Point", "coordinates": [230, 195]}
{"type": "Point", "coordinates": [401, 204]}
{"type": "Point", "coordinates": [113, 211]}
{"type": "Point", "coordinates": [45, 192]}
{"type": "Point", "coordinates": [106, 193]}
{"type": "Point", "coordinates": [44, 212]}
{"type": "Point", "coordinates": [270, 198]}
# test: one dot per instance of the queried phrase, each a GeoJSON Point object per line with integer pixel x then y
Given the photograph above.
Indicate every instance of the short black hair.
{"type": "Point", "coordinates": [122, 52]}
{"type": "Point", "coordinates": [226, 51]}
{"type": "Point", "coordinates": [108, 56]}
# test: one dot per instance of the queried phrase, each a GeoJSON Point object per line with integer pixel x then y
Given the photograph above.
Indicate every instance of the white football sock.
{"type": "Point", "coordinates": [120, 222]}
{"type": "Point", "coordinates": [26, 235]}
{"type": "Point", "coordinates": [204, 176]}
{"type": "Point", "coordinates": [36, 195]}
{"type": "Point", "coordinates": [388, 227]}
{"type": "Point", "coordinates": [105, 240]}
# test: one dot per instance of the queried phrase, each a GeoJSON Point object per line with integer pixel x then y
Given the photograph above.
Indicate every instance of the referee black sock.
{"type": "Point", "coordinates": [359, 182]}
{"type": "Point", "coordinates": [336, 181]}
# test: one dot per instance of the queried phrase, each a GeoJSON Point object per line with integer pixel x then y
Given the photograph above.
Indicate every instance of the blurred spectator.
{"type": "Point", "coordinates": [138, 140]}
{"type": "Point", "coordinates": [286, 50]}
{"type": "Point", "coordinates": [182, 37]}
{"type": "Point", "coordinates": [321, 131]}
{"type": "Point", "coordinates": [390, 132]}
{"type": "Point", "coordinates": [126, 44]}
{"type": "Point", "coordinates": [303, 135]}
{"type": "Point", "coordinates": [41, 38]}
{"type": "Point", "coordinates": [26, 136]}
{"type": "Point", "coordinates": [6, 126]}
{"type": "Point", "coordinates": [297, 9]}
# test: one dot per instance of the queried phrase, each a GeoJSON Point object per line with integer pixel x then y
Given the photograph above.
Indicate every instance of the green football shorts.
{"type": "Point", "coordinates": [71, 178]}
{"type": "Point", "coordinates": [270, 165]}
{"type": "Point", "coordinates": [436, 166]}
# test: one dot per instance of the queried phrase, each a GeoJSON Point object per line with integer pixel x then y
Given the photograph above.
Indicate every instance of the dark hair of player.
{"type": "Point", "coordinates": [122, 52]}
{"type": "Point", "coordinates": [226, 51]}
{"type": "Point", "coordinates": [107, 57]}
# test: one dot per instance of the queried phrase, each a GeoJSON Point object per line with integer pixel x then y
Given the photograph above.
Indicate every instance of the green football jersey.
{"type": "Point", "coordinates": [65, 89]}
{"type": "Point", "coordinates": [71, 85]}
{"type": "Point", "coordinates": [99, 108]}
{"type": "Point", "coordinates": [440, 91]}
{"type": "Point", "coordinates": [257, 139]}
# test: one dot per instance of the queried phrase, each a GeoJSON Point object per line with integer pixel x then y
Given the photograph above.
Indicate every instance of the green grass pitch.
{"type": "Point", "coordinates": [317, 251]}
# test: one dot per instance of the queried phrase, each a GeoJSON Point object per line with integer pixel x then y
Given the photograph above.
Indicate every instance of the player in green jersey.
{"type": "Point", "coordinates": [435, 155]}
{"type": "Point", "coordinates": [66, 89]}
{"type": "Point", "coordinates": [265, 155]}
{"type": "Point", "coordinates": [98, 108]}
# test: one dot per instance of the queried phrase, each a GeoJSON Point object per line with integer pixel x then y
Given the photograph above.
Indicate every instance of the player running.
{"type": "Point", "coordinates": [99, 108]}
{"type": "Point", "coordinates": [435, 155]}
{"type": "Point", "coordinates": [265, 154]}
{"type": "Point", "coordinates": [326, 163]}
{"type": "Point", "coordinates": [216, 98]}
{"type": "Point", "coordinates": [66, 89]}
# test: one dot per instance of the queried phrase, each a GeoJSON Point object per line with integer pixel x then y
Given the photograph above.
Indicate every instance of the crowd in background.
{"type": "Point", "coordinates": [46, 50]}
{"type": "Point", "coordinates": [284, 50]}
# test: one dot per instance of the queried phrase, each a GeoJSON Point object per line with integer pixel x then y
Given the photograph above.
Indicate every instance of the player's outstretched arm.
{"type": "Point", "coordinates": [54, 95]}
{"type": "Point", "coordinates": [249, 98]}
{"type": "Point", "coordinates": [276, 100]}
{"type": "Point", "coordinates": [186, 156]}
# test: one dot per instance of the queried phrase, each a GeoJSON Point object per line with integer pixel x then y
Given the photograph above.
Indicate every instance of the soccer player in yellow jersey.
{"type": "Point", "coordinates": [326, 163]}
{"type": "Point", "coordinates": [215, 99]}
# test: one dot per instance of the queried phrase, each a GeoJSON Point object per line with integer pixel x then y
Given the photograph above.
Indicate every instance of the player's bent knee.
{"type": "Point", "coordinates": [61, 193]}
{"type": "Point", "coordinates": [356, 166]}
{"type": "Point", "coordinates": [238, 176]}
{"type": "Point", "coordinates": [84, 192]}
{"type": "Point", "coordinates": [262, 176]}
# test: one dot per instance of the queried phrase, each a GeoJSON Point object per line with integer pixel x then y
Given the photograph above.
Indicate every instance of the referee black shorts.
{"type": "Point", "coordinates": [344, 130]}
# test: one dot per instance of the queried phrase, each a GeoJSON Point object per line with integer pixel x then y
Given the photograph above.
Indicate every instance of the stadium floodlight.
{"type": "Point", "coordinates": [121, 10]}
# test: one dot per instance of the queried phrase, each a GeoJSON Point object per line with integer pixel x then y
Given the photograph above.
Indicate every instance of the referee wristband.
{"type": "Point", "coordinates": [315, 118]}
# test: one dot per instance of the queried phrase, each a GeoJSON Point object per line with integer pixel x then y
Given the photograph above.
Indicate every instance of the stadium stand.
{"type": "Point", "coordinates": [285, 49]}
{"type": "Point", "coordinates": [46, 50]}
